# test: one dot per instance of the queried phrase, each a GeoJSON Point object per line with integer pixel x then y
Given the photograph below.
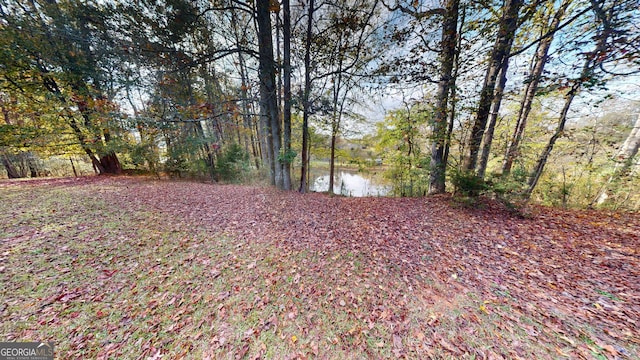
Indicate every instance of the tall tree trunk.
{"type": "Point", "coordinates": [244, 94]}
{"type": "Point", "coordinates": [453, 95]}
{"type": "Point", "coordinates": [109, 159]}
{"type": "Point", "coordinates": [493, 118]}
{"type": "Point", "coordinates": [540, 60]}
{"type": "Point", "coordinates": [629, 148]}
{"type": "Point", "coordinates": [440, 129]}
{"type": "Point", "coordinates": [591, 61]}
{"type": "Point", "coordinates": [279, 75]}
{"type": "Point", "coordinates": [259, 144]}
{"type": "Point", "coordinates": [562, 120]}
{"type": "Point", "coordinates": [208, 151]}
{"type": "Point", "coordinates": [306, 106]}
{"type": "Point", "coordinates": [268, 91]}
{"type": "Point", "coordinates": [12, 172]}
{"type": "Point", "coordinates": [500, 52]}
{"type": "Point", "coordinates": [263, 131]}
{"type": "Point", "coordinates": [108, 162]}
{"type": "Point", "coordinates": [286, 33]}
{"type": "Point", "coordinates": [336, 118]}
{"type": "Point", "coordinates": [97, 165]}
{"type": "Point", "coordinates": [624, 161]}
{"type": "Point", "coordinates": [332, 161]}
{"type": "Point", "coordinates": [255, 146]}
{"type": "Point", "coordinates": [73, 167]}
{"type": "Point", "coordinates": [266, 146]}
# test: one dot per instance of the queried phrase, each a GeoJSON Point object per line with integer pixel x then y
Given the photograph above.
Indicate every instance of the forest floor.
{"type": "Point", "coordinates": [133, 268]}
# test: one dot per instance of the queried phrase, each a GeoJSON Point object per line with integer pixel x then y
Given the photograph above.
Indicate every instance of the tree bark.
{"type": "Point", "coordinates": [336, 119]}
{"type": "Point", "coordinates": [500, 52]}
{"type": "Point", "coordinates": [73, 167]}
{"type": "Point", "coordinates": [624, 161]}
{"type": "Point", "coordinates": [286, 34]}
{"type": "Point", "coordinates": [453, 91]}
{"type": "Point", "coordinates": [493, 118]}
{"type": "Point", "coordinates": [332, 160]}
{"type": "Point", "coordinates": [12, 173]}
{"type": "Point", "coordinates": [629, 148]}
{"type": "Point", "coordinates": [268, 91]}
{"type": "Point", "coordinates": [448, 44]}
{"type": "Point", "coordinates": [110, 163]}
{"type": "Point", "coordinates": [110, 160]}
{"type": "Point", "coordinates": [562, 120]}
{"type": "Point", "coordinates": [306, 106]}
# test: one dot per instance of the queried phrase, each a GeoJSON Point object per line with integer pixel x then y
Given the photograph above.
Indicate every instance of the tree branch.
{"type": "Point", "coordinates": [416, 14]}
{"type": "Point", "coordinates": [551, 32]}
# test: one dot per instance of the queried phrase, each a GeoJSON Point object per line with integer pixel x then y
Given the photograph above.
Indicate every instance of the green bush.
{"type": "Point", "coordinates": [287, 157]}
{"type": "Point", "coordinates": [408, 179]}
{"type": "Point", "coordinates": [511, 188]}
{"type": "Point", "coordinates": [176, 165]}
{"type": "Point", "coordinates": [468, 184]}
{"type": "Point", "coordinates": [142, 157]}
{"type": "Point", "coordinates": [233, 163]}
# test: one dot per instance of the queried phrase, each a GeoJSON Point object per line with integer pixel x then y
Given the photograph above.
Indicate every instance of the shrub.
{"type": "Point", "coordinates": [233, 163]}
{"type": "Point", "coordinates": [510, 190]}
{"type": "Point", "coordinates": [468, 184]}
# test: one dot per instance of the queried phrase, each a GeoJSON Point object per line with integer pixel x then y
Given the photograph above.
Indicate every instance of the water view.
{"type": "Point", "coordinates": [351, 183]}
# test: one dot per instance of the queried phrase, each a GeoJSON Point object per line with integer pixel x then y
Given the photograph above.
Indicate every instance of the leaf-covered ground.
{"type": "Point", "coordinates": [130, 268]}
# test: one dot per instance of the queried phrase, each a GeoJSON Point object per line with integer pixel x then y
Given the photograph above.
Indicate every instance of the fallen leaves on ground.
{"type": "Point", "coordinates": [111, 267]}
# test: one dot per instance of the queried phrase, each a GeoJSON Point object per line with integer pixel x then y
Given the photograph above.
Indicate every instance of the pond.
{"type": "Point", "coordinates": [350, 183]}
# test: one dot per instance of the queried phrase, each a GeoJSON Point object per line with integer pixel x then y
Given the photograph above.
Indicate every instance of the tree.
{"type": "Point", "coordinates": [629, 149]}
{"type": "Point", "coordinates": [401, 145]}
{"type": "Point", "coordinates": [193, 100]}
{"type": "Point", "coordinates": [62, 50]}
{"type": "Point", "coordinates": [306, 96]}
{"type": "Point", "coordinates": [624, 163]}
{"type": "Point", "coordinates": [445, 84]}
{"type": "Point", "coordinates": [288, 154]}
{"type": "Point", "coordinates": [268, 93]}
{"type": "Point", "coordinates": [344, 50]}
{"type": "Point", "coordinates": [539, 61]}
{"type": "Point", "coordinates": [498, 61]}
{"type": "Point", "coordinates": [611, 20]}
{"type": "Point", "coordinates": [23, 135]}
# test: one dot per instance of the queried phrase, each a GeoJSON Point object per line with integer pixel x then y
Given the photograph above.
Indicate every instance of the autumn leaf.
{"type": "Point", "coordinates": [181, 270]}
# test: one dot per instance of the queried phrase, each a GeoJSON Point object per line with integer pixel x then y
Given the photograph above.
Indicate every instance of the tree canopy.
{"type": "Point", "coordinates": [170, 86]}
